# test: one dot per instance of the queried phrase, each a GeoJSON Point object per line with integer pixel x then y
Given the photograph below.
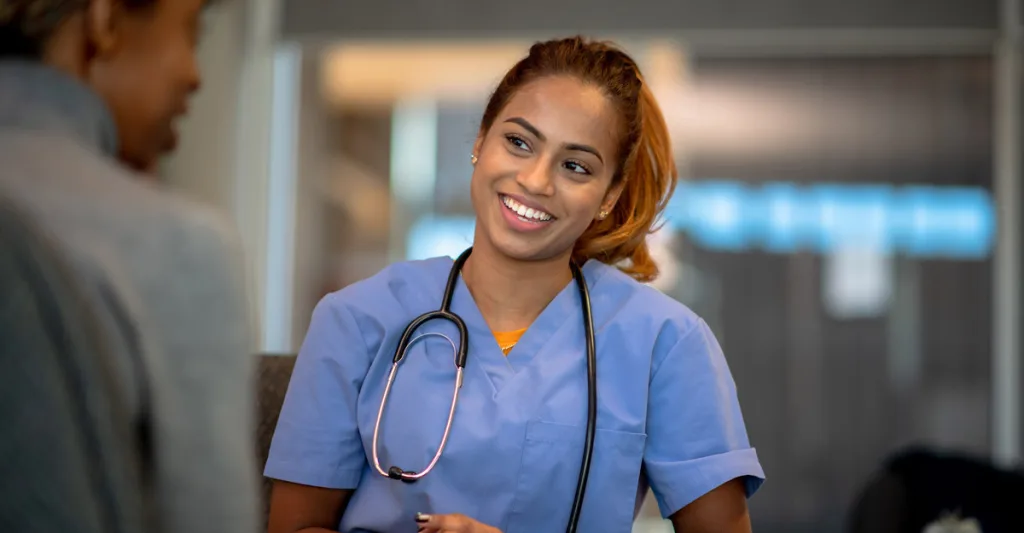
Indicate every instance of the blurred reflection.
{"type": "Point", "coordinates": [835, 231]}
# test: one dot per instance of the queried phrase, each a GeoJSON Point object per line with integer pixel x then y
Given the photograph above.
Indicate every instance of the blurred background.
{"type": "Point", "coordinates": [847, 220]}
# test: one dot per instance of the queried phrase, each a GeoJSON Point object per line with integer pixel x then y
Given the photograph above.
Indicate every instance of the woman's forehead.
{"type": "Point", "coordinates": [566, 110]}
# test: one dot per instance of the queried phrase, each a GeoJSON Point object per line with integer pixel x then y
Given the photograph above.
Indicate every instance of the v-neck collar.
{"type": "Point", "coordinates": [485, 354]}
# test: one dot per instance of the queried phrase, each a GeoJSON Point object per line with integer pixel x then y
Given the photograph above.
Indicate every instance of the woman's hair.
{"type": "Point", "coordinates": [645, 161]}
{"type": "Point", "coordinates": [26, 26]}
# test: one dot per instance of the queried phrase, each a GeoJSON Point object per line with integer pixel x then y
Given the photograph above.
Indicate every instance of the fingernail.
{"type": "Point", "coordinates": [422, 517]}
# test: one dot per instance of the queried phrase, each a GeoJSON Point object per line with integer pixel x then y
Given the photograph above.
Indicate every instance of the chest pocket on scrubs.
{"type": "Point", "coordinates": [550, 471]}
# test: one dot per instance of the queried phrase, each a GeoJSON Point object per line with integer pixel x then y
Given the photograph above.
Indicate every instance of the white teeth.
{"type": "Point", "coordinates": [525, 212]}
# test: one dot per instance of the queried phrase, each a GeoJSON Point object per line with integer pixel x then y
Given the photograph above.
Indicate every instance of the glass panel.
{"type": "Point", "coordinates": [828, 397]}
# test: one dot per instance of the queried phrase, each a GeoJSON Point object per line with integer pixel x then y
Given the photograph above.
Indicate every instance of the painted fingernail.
{"type": "Point", "coordinates": [422, 517]}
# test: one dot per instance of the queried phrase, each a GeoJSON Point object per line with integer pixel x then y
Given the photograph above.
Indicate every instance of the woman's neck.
{"type": "Point", "coordinates": [512, 294]}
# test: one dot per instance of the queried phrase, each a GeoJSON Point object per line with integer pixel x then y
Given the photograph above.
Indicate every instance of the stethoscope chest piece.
{"type": "Point", "coordinates": [460, 351]}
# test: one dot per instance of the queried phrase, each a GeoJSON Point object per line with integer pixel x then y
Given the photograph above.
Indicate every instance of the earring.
{"type": "Point", "coordinates": [473, 158]}
{"type": "Point", "coordinates": [602, 215]}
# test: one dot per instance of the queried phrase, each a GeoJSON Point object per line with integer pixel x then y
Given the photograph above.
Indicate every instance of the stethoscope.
{"type": "Point", "coordinates": [445, 313]}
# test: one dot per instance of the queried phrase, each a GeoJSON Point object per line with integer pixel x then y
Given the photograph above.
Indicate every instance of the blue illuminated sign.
{"type": "Point", "coordinates": [919, 221]}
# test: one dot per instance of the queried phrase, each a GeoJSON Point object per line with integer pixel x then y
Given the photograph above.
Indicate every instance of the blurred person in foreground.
{"type": "Point", "coordinates": [89, 93]}
{"type": "Point", "coordinates": [64, 417]}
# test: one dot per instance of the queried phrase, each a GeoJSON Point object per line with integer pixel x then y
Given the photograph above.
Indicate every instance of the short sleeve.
{"type": "Point", "coordinates": [696, 438]}
{"type": "Point", "coordinates": [317, 438]}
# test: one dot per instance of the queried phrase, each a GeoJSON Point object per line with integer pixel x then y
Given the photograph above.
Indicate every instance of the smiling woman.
{"type": "Point", "coordinates": [572, 166]}
{"type": "Point", "coordinates": [607, 123]}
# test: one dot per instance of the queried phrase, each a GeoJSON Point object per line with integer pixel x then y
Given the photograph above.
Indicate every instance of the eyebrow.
{"type": "Point", "coordinates": [536, 133]}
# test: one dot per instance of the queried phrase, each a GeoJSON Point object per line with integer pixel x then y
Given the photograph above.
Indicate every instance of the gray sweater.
{"type": "Point", "coordinates": [60, 407]}
{"type": "Point", "coordinates": [164, 276]}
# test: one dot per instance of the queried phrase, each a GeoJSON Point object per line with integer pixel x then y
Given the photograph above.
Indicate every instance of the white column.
{"type": "Point", "coordinates": [281, 203]}
{"type": "Point", "coordinates": [413, 168]}
{"type": "Point", "coordinates": [1006, 369]}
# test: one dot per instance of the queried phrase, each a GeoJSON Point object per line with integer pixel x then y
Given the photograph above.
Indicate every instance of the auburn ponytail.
{"type": "Point", "coordinates": [648, 178]}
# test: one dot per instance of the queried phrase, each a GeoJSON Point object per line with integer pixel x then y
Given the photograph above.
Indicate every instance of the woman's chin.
{"type": "Point", "coordinates": [518, 250]}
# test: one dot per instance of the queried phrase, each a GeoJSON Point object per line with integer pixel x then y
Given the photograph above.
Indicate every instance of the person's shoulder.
{"type": "Point", "coordinates": [187, 230]}
{"type": "Point", "coordinates": [188, 243]}
{"type": "Point", "coordinates": [197, 229]}
{"type": "Point", "coordinates": [98, 206]}
{"type": "Point", "coordinates": [634, 300]}
{"type": "Point", "coordinates": [96, 196]}
{"type": "Point", "coordinates": [159, 207]}
{"type": "Point", "coordinates": [401, 280]}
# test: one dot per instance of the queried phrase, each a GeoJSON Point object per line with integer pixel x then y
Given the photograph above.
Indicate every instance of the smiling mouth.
{"type": "Point", "coordinates": [527, 214]}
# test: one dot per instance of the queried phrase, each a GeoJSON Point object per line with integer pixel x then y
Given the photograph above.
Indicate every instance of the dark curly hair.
{"type": "Point", "coordinates": [27, 25]}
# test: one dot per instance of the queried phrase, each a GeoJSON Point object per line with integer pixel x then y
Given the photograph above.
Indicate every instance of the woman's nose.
{"type": "Point", "coordinates": [537, 179]}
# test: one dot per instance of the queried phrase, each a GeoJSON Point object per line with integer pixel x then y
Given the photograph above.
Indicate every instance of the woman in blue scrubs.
{"type": "Point", "coordinates": [572, 161]}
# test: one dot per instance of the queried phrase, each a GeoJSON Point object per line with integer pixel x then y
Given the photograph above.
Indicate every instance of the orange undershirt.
{"type": "Point", "coordinates": [508, 339]}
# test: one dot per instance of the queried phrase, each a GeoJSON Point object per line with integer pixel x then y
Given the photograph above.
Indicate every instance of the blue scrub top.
{"type": "Point", "coordinates": [668, 415]}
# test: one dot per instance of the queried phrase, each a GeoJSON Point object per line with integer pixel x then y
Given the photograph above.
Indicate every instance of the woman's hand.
{"type": "Point", "coordinates": [451, 523]}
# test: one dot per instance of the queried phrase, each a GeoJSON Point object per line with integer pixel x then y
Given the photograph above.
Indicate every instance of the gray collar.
{"type": "Point", "coordinates": [34, 96]}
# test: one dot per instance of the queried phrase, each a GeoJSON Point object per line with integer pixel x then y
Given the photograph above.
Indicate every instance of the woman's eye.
{"type": "Point", "coordinates": [576, 167]}
{"type": "Point", "coordinates": [518, 142]}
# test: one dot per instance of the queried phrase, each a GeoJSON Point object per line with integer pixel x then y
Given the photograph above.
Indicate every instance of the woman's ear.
{"type": "Point", "coordinates": [478, 145]}
{"type": "Point", "coordinates": [612, 196]}
{"type": "Point", "coordinates": [100, 26]}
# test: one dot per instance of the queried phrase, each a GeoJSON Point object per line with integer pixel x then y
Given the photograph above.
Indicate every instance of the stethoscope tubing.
{"type": "Point", "coordinates": [444, 313]}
